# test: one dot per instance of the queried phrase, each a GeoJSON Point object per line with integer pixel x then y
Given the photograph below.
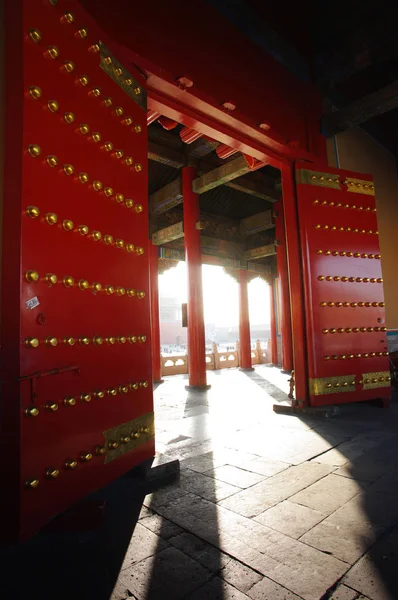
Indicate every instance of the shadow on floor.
{"type": "Point", "coordinates": [371, 543]}
{"type": "Point", "coordinates": [77, 564]}
{"type": "Point", "coordinates": [182, 557]}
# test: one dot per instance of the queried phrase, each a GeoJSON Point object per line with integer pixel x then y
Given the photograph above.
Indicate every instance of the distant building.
{"type": "Point", "coordinates": [171, 330]}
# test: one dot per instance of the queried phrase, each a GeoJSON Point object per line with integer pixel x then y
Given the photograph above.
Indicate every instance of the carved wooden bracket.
{"type": "Point", "coordinates": [164, 264]}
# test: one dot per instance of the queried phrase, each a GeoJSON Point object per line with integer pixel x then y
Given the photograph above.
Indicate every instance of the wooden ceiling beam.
{"type": "Point", "coordinates": [221, 175]}
{"type": "Point", "coordinates": [163, 149]}
{"type": "Point", "coordinates": [256, 223]}
{"type": "Point", "coordinates": [168, 234]}
{"type": "Point", "coordinates": [166, 198]}
{"type": "Point", "coordinates": [166, 156]}
{"type": "Point", "coordinates": [362, 110]}
{"type": "Point", "coordinates": [260, 252]}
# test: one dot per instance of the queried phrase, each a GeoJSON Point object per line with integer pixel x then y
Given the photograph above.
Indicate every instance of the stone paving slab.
{"type": "Point", "coordinates": [217, 589]}
{"type": "Point", "coordinates": [160, 526]}
{"type": "Point", "coordinates": [205, 554]}
{"type": "Point", "coordinates": [352, 529]}
{"type": "Point", "coordinates": [144, 544]}
{"type": "Point", "coordinates": [292, 446]}
{"type": "Point", "coordinates": [291, 519]}
{"type": "Point", "coordinates": [240, 576]}
{"type": "Point", "coordinates": [375, 575]}
{"type": "Point", "coordinates": [345, 544]}
{"type": "Point", "coordinates": [328, 494]}
{"type": "Point", "coordinates": [268, 589]}
{"type": "Point", "coordinates": [351, 449]}
{"type": "Point", "coordinates": [217, 458]}
{"type": "Point", "coordinates": [373, 464]}
{"type": "Point", "coordinates": [164, 495]}
{"type": "Point", "coordinates": [170, 570]}
{"type": "Point", "coordinates": [235, 476]}
{"type": "Point", "coordinates": [387, 484]}
{"type": "Point", "coordinates": [344, 593]}
{"type": "Point", "coordinates": [286, 561]}
{"type": "Point", "coordinates": [292, 535]}
{"type": "Point", "coordinates": [207, 487]}
{"type": "Point", "coordinates": [255, 500]}
{"type": "Point", "coordinates": [265, 467]}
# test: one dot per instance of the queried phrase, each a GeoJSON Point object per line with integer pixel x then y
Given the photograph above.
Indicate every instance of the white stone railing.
{"type": "Point", "coordinates": [178, 364]}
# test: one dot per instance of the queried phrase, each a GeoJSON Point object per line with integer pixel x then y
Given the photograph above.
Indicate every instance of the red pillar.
{"type": "Point", "coordinates": [274, 346]}
{"type": "Point", "coordinates": [193, 257]}
{"type": "Point", "coordinates": [293, 249]}
{"type": "Point", "coordinates": [245, 353]}
{"type": "Point", "coordinates": [155, 318]}
{"type": "Point", "coordinates": [283, 283]}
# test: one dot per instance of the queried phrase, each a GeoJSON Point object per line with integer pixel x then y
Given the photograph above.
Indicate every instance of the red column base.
{"type": "Point", "coordinates": [246, 368]}
{"type": "Point", "coordinates": [197, 388]}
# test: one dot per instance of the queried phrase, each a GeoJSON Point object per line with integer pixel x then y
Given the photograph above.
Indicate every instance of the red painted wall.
{"type": "Point", "coordinates": [180, 38]}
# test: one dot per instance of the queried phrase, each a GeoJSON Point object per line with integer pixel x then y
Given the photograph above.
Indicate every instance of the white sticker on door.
{"type": "Point", "coordinates": [32, 303]}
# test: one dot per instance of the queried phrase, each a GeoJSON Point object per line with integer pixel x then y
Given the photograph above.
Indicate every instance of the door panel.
{"type": "Point", "coordinates": [85, 383]}
{"type": "Point", "coordinates": [345, 315]}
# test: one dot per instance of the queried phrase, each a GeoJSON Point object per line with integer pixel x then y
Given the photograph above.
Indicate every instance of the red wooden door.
{"type": "Point", "coordinates": [344, 300]}
{"type": "Point", "coordinates": [77, 404]}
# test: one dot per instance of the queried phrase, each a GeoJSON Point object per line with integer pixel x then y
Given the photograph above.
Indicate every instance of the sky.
{"type": "Point", "coordinates": [220, 295]}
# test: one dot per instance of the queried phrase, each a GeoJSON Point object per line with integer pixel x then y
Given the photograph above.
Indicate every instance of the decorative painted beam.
{"type": "Point", "coordinates": [166, 198]}
{"type": "Point", "coordinates": [362, 110]}
{"type": "Point", "coordinates": [163, 149]}
{"type": "Point", "coordinates": [256, 223]}
{"type": "Point", "coordinates": [260, 252]}
{"type": "Point", "coordinates": [168, 234]}
{"type": "Point", "coordinates": [221, 175]}
{"type": "Point", "coordinates": [166, 156]}
{"type": "Point", "coordinates": [217, 247]}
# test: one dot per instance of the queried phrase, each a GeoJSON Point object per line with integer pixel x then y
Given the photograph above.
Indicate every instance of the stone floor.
{"type": "Point", "coordinates": [268, 507]}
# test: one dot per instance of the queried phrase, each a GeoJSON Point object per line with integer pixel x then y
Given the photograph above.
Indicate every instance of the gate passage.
{"type": "Point", "coordinates": [76, 347]}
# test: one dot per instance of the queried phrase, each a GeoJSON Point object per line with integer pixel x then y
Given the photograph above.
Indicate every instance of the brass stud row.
{"type": "Point", "coordinates": [97, 340]}
{"type": "Point", "coordinates": [69, 117]}
{"type": "Point", "coordinates": [120, 73]}
{"type": "Point", "coordinates": [376, 379]}
{"type": "Point", "coordinates": [348, 206]}
{"type": "Point", "coordinates": [68, 169]}
{"type": "Point", "coordinates": [344, 279]}
{"type": "Point", "coordinates": [343, 384]}
{"type": "Point", "coordinates": [53, 52]}
{"type": "Point", "coordinates": [70, 464]}
{"type": "Point", "coordinates": [365, 186]}
{"type": "Point", "coordinates": [358, 355]}
{"type": "Point", "coordinates": [51, 279]}
{"type": "Point", "coordinates": [348, 254]}
{"type": "Point", "coordinates": [346, 229]}
{"type": "Point", "coordinates": [85, 398]}
{"type": "Point", "coordinates": [354, 330]}
{"type": "Point", "coordinates": [33, 212]}
{"type": "Point", "coordinates": [353, 304]}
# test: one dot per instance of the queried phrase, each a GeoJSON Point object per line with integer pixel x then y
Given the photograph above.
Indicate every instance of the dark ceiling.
{"type": "Point", "coordinates": [348, 48]}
